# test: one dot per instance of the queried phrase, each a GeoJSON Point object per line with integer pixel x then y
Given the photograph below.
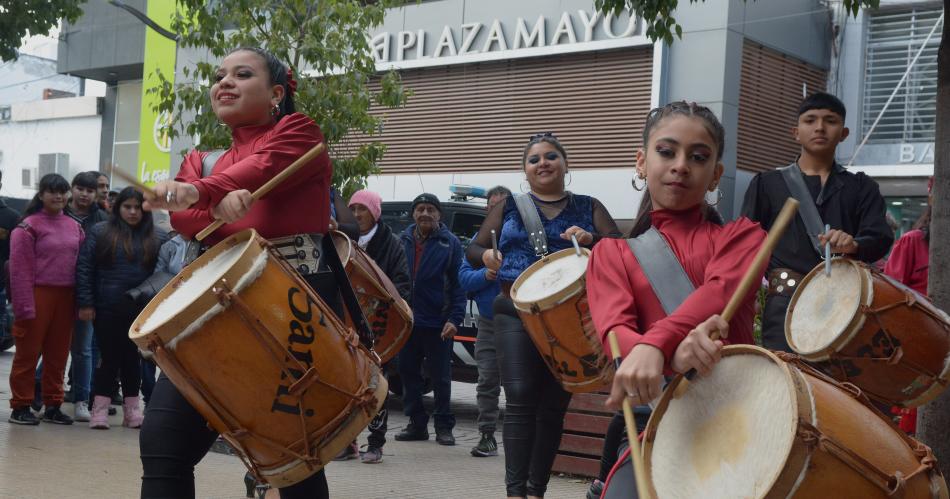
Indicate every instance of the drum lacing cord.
{"type": "Point", "coordinates": [897, 351]}
{"type": "Point", "coordinates": [892, 484]}
{"type": "Point", "coordinates": [302, 382]}
{"type": "Point", "coordinates": [234, 428]}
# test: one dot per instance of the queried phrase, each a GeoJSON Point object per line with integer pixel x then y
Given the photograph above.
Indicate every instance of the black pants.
{"type": "Point", "coordinates": [378, 427]}
{"type": "Point", "coordinates": [614, 440]}
{"type": "Point", "coordinates": [119, 357]}
{"type": "Point", "coordinates": [175, 437]}
{"type": "Point", "coordinates": [773, 323]}
{"type": "Point", "coordinates": [534, 409]}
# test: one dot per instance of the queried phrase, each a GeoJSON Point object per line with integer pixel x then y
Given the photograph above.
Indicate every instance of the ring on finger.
{"type": "Point", "coordinates": [170, 196]}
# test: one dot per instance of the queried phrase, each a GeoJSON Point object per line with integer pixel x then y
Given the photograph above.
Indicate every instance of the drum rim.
{"type": "Point", "coordinates": [339, 235]}
{"type": "Point", "coordinates": [556, 298]}
{"type": "Point", "coordinates": [360, 260]}
{"type": "Point", "coordinates": [245, 238]}
{"type": "Point", "coordinates": [850, 330]}
{"type": "Point", "coordinates": [795, 465]}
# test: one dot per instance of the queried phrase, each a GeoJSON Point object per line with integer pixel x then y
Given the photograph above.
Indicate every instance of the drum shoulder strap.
{"type": "Point", "coordinates": [208, 162]}
{"type": "Point", "coordinates": [807, 210]}
{"type": "Point", "coordinates": [665, 273]}
{"type": "Point", "coordinates": [532, 223]}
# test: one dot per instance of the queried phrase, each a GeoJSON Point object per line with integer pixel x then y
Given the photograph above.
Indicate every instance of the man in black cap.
{"type": "Point", "coordinates": [434, 255]}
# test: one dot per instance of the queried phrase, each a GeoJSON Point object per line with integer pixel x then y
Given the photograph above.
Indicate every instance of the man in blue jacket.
{"type": "Point", "coordinates": [434, 255]}
{"type": "Point", "coordinates": [482, 285]}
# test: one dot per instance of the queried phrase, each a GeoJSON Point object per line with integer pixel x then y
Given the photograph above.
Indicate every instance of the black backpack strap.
{"type": "Point", "coordinates": [532, 223]}
{"type": "Point", "coordinates": [807, 210]}
{"type": "Point", "coordinates": [665, 273]}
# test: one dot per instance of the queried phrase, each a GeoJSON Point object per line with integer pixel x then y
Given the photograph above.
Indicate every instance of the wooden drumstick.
{"type": "Point", "coordinates": [274, 182]}
{"type": "Point", "coordinates": [751, 276]}
{"type": "Point", "coordinates": [136, 183]}
{"type": "Point", "coordinates": [639, 472]}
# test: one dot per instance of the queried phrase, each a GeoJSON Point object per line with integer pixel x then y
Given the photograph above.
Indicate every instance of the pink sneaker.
{"type": "Point", "coordinates": [100, 413]}
{"type": "Point", "coordinates": [132, 413]}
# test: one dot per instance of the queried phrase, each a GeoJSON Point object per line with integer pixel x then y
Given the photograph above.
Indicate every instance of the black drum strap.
{"type": "Point", "coordinates": [332, 259]}
{"type": "Point", "coordinates": [807, 211]}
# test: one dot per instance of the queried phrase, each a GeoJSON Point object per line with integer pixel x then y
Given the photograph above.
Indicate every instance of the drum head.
{"type": "Point", "coordinates": [196, 280]}
{"type": "Point", "coordinates": [824, 308]}
{"type": "Point", "coordinates": [550, 276]}
{"type": "Point", "coordinates": [729, 434]}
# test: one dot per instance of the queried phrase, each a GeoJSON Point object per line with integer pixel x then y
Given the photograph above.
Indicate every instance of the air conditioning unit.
{"type": "Point", "coordinates": [28, 175]}
{"type": "Point", "coordinates": [56, 162]}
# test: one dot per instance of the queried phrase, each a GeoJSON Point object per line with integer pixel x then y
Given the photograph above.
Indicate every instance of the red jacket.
{"type": "Point", "coordinates": [910, 261]}
{"type": "Point", "coordinates": [299, 205]}
{"type": "Point", "coordinates": [714, 258]}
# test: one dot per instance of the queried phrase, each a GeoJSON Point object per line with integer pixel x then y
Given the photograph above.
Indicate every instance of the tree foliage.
{"type": "Point", "coordinates": [322, 38]}
{"type": "Point", "coordinates": [21, 18]}
{"type": "Point", "coordinates": [658, 17]}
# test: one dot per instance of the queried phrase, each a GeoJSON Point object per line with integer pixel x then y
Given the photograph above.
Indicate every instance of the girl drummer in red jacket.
{"type": "Point", "coordinates": [253, 95]}
{"type": "Point", "coordinates": [680, 162]}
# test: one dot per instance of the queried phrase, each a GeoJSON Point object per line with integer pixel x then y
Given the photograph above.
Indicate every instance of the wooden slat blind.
{"type": "Point", "coordinates": [769, 94]}
{"type": "Point", "coordinates": [477, 117]}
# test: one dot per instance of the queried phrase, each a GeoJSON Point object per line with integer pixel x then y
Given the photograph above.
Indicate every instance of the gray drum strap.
{"type": "Point", "coordinates": [665, 273]}
{"type": "Point", "coordinates": [532, 223]}
{"type": "Point", "coordinates": [807, 210]}
{"type": "Point", "coordinates": [193, 248]}
{"type": "Point", "coordinates": [208, 162]}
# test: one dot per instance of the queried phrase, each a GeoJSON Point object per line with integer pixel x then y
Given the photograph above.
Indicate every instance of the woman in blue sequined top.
{"type": "Point", "coordinates": [536, 403]}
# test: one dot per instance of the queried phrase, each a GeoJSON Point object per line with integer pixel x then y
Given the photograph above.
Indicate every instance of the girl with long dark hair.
{"type": "Point", "coordinates": [118, 255]}
{"type": "Point", "coordinates": [253, 95]}
{"type": "Point", "coordinates": [43, 251]}
{"type": "Point", "coordinates": [535, 401]}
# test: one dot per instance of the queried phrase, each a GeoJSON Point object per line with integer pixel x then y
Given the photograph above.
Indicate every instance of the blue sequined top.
{"type": "Point", "coordinates": [513, 243]}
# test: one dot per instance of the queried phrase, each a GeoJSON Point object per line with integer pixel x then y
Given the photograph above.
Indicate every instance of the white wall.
{"type": "Point", "coordinates": [21, 144]}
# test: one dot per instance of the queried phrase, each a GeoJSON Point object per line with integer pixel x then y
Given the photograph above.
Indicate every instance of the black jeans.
{"type": "Point", "coordinates": [175, 437]}
{"type": "Point", "coordinates": [426, 344]}
{"type": "Point", "coordinates": [119, 357]}
{"type": "Point", "coordinates": [773, 323]}
{"type": "Point", "coordinates": [534, 409]}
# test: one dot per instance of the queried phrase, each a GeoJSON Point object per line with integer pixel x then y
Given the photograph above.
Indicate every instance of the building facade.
{"type": "Point", "coordinates": [487, 74]}
{"type": "Point", "coordinates": [46, 125]}
{"type": "Point", "coordinates": [888, 81]}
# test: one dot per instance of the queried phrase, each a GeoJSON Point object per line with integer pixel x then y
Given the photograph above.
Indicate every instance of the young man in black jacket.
{"type": "Point", "coordinates": [850, 203]}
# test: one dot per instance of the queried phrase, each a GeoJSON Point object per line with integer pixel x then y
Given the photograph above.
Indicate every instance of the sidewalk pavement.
{"type": "Point", "coordinates": [52, 461]}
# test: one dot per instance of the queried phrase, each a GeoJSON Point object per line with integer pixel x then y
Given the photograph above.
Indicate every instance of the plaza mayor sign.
{"type": "Point", "coordinates": [497, 39]}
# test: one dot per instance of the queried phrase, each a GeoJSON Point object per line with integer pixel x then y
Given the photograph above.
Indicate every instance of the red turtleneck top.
{"type": "Point", "coordinates": [714, 258]}
{"type": "Point", "coordinates": [301, 204]}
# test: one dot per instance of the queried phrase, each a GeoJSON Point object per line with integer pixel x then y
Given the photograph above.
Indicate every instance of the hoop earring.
{"type": "Point", "coordinates": [525, 186]}
{"type": "Point", "coordinates": [633, 182]}
{"type": "Point", "coordinates": [718, 198]}
{"type": "Point", "coordinates": [569, 179]}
